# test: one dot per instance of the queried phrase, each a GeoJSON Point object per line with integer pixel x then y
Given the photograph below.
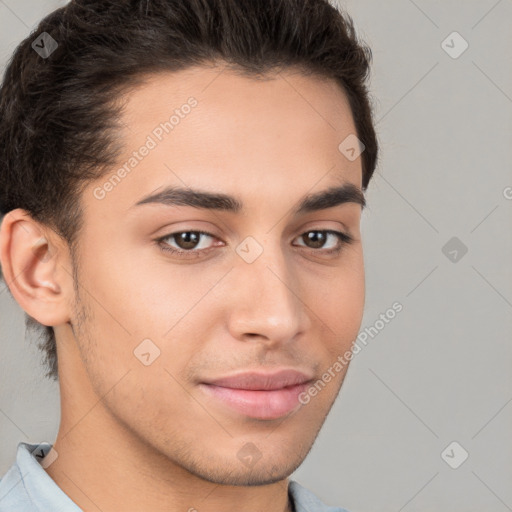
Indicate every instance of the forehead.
{"type": "Point", "coordinates": [228, 106]}
{"type": "Point", "coordinates": [213, 129]}
{"type": "Point", "coordinates": [221, 86]}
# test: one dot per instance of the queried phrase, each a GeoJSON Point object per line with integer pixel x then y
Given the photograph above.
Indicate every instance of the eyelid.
{"type": "Point", "coordinates": [198, 231]}
{"type": "Point", "coordinates": [344, 239]}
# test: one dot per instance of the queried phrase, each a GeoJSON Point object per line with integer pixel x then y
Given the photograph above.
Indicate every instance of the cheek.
{"type": "Point", "coordinates": [134, 299]}
{"type": "Point", "coordinates": [131, 295]}
{"type": "Point", "coordinates": [340, 306]}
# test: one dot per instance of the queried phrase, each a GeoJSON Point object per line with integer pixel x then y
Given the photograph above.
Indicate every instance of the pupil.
{"type": "Point", "coordinates": [316, 237]}
{"type": "Point", "coordinates": [185, 238]}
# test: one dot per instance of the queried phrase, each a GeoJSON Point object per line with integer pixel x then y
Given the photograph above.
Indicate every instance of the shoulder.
{"type": "Point", "coordinates": [26, 487]}
{"type": "Point", "coordinates": [13, 494]}
{"type": "Point", "coordinates": [307, 501]}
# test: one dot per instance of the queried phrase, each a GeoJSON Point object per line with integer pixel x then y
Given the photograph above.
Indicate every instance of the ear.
{"type": "Point", "coordinates": [36, 267]}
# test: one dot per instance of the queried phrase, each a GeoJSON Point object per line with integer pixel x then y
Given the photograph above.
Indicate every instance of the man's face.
{"type": "Point", "coordinates": [260, 292]}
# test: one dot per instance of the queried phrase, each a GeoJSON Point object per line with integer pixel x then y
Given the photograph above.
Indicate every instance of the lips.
{"type": "Point", "coordinates": [262, 381]}
{"type": "Point", "coordinates": [259, 395]}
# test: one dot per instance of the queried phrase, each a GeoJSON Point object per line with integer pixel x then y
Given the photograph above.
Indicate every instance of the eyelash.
{"type": "Point", "coordinates": [343, 238]}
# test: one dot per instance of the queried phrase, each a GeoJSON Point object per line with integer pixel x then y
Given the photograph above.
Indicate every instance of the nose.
{"type": "Point", "coordinates": [266, 301]}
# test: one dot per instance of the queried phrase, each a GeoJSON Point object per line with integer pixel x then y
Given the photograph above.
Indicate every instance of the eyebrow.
{"type": "Point", "coordinates": [177, 196]}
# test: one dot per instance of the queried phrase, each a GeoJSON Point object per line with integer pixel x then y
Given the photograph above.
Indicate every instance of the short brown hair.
{"type": "Point", "coordinates": [59, 112]}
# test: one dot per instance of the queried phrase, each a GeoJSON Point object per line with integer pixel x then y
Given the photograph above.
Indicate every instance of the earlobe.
{"type": "Point", "coordinates": [31, 268]}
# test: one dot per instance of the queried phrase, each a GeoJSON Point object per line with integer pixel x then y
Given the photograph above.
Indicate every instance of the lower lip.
{"type": "Point", "coordinates": [266, 405]}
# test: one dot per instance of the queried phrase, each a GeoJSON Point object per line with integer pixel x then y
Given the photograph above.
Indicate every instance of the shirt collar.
{"type": "Point", "coordinates": [44, 493]}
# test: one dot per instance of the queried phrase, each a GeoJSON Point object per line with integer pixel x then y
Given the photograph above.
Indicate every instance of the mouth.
{"type": "Point", "coordinates": [259, 395]}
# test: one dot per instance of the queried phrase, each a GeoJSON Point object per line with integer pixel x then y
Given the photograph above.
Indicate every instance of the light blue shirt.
{"type": "Point", "coordinates": [27, 487]}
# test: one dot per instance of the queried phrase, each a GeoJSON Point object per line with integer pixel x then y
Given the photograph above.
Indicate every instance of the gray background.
{"type": "Point", "coordinates": [440, 370]}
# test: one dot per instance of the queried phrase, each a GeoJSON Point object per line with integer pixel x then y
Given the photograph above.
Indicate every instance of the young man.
{"type": "Point", "coordinates": [181, 188]}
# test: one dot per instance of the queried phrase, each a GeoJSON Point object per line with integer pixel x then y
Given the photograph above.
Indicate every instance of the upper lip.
{"type": "Point", "coordinates": [262, 381]}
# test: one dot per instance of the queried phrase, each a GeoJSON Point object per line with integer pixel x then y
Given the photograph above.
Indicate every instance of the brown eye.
{"type": "Point", "coordinates": [186, 241]}
{"type": "Point", "coordinates": [316, 239]}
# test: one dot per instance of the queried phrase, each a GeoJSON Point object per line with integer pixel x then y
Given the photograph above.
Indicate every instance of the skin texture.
{"type": "Point", "coordinates": [136, 437]}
